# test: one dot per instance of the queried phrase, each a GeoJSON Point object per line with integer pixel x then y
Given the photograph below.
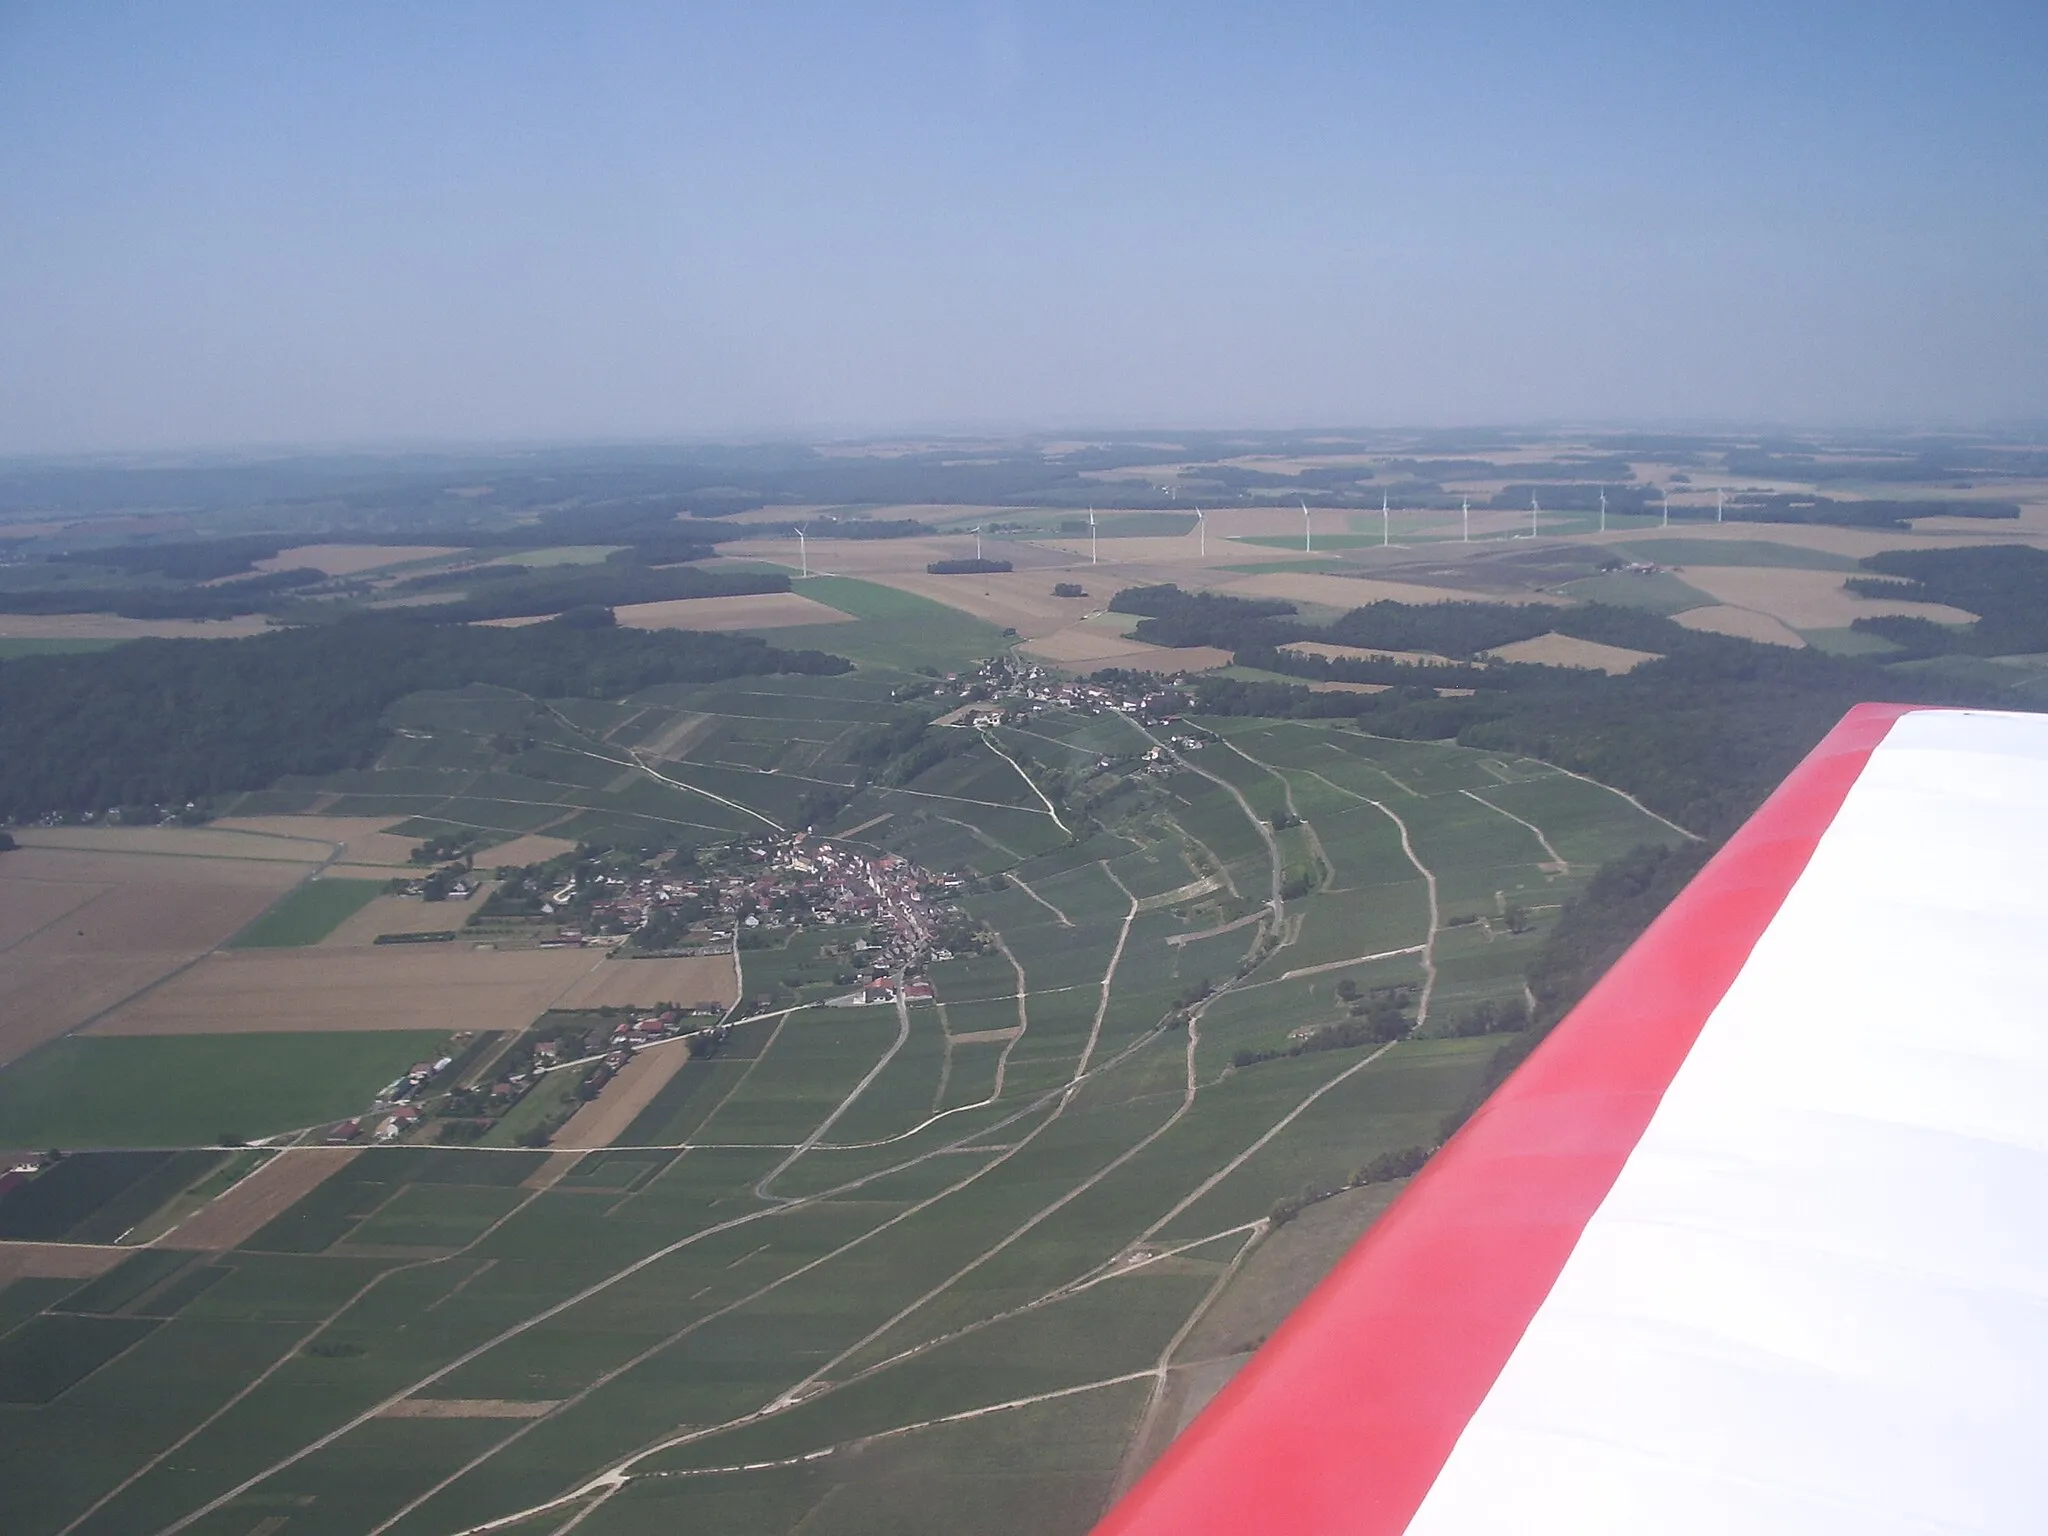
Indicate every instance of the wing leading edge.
{"type": "Point", "coordinates": [1748, 1243]}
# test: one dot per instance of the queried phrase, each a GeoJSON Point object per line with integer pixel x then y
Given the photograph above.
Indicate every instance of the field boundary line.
{"type": "Point", "coordinates": [1583, 778]}
{"type": "Point", "coordinates": [902, 1035]}
{"type": "Point", "coordinates": [1564, 865]}
{"type": "Point", "coordinates": [989, 737]}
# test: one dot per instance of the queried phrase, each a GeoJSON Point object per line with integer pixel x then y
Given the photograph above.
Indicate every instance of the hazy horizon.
{"type": "Point", "coordinates": [467, 226]}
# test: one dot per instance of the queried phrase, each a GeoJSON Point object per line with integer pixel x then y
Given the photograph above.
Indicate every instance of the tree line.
{"type": "Point", "coordinates": [164, 722]}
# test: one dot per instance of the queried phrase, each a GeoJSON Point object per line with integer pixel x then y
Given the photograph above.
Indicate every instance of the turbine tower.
{"type": "Point", "coordinates": [977, 542]}
{"type": "Point", "coordinates": [1092, 560]}
{"type": "Point", "coordinates": [1720, 503]}
{"type": "Point", "coordinates": [1467, 508]}
{"type": "Point", "coordinates": [1667, 506]}
{"type": "Point", "coordinates": [1202, 531]}
{"type": "Point", "coordinates": [1533, 510]}
{"type": "Point", "coordinates": [1386, 523]}
{"type": "Point", "coordinates": [803, 552]}
{"type": "Point", "coordinates": [1603, 509]}
{"type": "Point", "coordinates": [1308, 538]}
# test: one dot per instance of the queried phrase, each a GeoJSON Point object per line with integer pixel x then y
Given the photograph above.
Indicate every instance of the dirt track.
{"type": "Point", "coordinates": [602, 1121]}
{"type": "Point", "coordinates": [264, 1195]}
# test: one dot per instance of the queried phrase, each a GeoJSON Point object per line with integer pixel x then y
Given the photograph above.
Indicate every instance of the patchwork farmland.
{"type": "Point", "coordinates": [1033, 1212]}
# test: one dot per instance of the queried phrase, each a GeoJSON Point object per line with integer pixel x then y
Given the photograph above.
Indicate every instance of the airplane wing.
{"type": "Point", "coordinates": [1756, 1241]}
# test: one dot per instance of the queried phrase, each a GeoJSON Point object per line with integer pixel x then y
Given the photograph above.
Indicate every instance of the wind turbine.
{"type": "Point", "coordinates": [1467, 509]}
{"type": "Point", "coordinates": [1092, 560]}
{"type": "Point", "coordinates": [977, 542]}
{"type": "Point", "coordinates": [1202, 531]}
{"type": "Point", "coordinates": [1720, 503]}
{"type": "Point", "coordinates": [1533, 510]}
{"type": "Point", "coordinates": [803, 552]}
{"type": "Point", "coordinates": [1667, 506]}
{"type": "Point", "coordinates": [1386, 523]}
{"type": "Point", "coordinates": [1308, 538]}
{"type": "Point", "coordinates": [1603, 509]}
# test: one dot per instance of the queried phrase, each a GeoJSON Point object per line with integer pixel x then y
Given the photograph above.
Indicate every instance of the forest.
{"type": "Point", "coordinates": [164, 722]}
{"type": "Point", "coordinates": [2007, 584]}
{"type": "Point", "coordinates": [1701, 735]}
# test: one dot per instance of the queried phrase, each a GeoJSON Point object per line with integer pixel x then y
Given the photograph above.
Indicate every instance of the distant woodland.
{"type": "Point", "coordinates": [163, 722]}
{"type": "Point", "coordinates": [1701, 735]}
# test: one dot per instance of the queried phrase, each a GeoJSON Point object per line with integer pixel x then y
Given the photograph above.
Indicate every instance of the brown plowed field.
{"type": "Point", "coordinates": [264, 1195]}
{"type": "Point", "coordinates": [394, 986]}
{"type": "Point", "coordinates": [685, 979]}
{"type": "Point", "coordinates": [600, 1122]}
{"type": "Point", "coordinates": [80, 929]}
{"type": "Point", "coordinates": [758, 610]}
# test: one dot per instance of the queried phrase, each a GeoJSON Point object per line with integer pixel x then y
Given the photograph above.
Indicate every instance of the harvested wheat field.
{"type": "Point", "coordinates": [865, 557]}
{"type": "Point", "coordinates": [1177, 550]}
{"type": "Point", "coordinates": [1555, 650]}
{"type": "Point", "coordinates": [354, 559]}
{"type": "Point", "coordinates": [602, 1121]}
{"type": "Point", "coordinates": [362, 839]}
{"type": "Point", "coordinates": [758, 610]}
{"type": "Point", "coordinates": [687, 980]}
{"type": "Point", "coordinates": [58, 1261]}
{"type": "Point", "coordinates": [1332, 652]}
{"type": "Point", "coordinates": [108, 626]}
{"type": "Point", "coordinates": [1089, 649]}
{"type": "Point", "coordinates": [1336, 687]}
{"type": "Point", "coordinates": [395, 986]}
{"type": "Point", "coordinates": [248, 1207]}
{"type": "Point", "coordinates": [534, 848]}
{"type": "Point", "coordinates": [82, 929]}
{"type": "Point", "coordinates": [1019, 600]}
{"type": "Point", "coordinates": [1808, 599]}
{"type": "Point", "coordinates": [1743, 623]}
{"type": "Point", "coordinates": [400, 914]}
{"type": "Point", "coordinates": [1356, 591]}
{"type": "Point", "coordinates": [214, 841]}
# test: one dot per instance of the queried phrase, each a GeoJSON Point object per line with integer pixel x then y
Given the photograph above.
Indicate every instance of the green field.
{"type": "Point", "coordinates": [893, 629]}
{"type": "Point", "coordinates": [1661, 593]}
{"type": "Point", "coordinates": [307, 913]}
{"type": "Point", "coordinates": [191, 1090]}
{"type": "Point", "coordinates": [1754, 552]}
{"type": "Point", "coordinates": [839, 1229]}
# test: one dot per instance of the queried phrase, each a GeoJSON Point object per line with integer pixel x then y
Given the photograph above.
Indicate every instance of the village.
{"type": "Point", "coordinates": [751, 894]}
{"type": "Point", "coordinates": [1003, 688]}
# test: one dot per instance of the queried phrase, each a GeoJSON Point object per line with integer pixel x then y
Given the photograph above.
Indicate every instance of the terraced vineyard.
{"type": "Point", "coordinates": [956, 1266]}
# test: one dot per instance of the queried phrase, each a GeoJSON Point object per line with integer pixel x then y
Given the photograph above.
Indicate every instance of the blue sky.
{"type": "Point", "coordinates": [295, 223]}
